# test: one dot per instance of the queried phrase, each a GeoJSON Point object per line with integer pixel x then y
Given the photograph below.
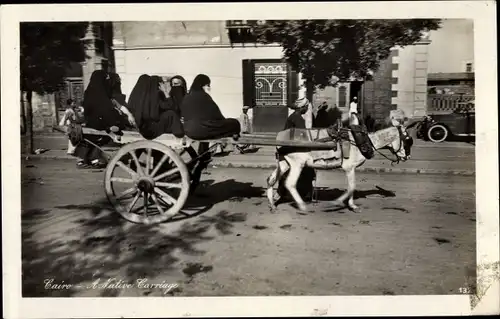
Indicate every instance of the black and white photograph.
{"type": "Point", "coordinates": [317, 154]}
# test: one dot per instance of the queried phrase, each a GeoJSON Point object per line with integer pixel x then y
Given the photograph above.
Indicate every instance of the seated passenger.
{"type": "Point", "coordinates": [178, 90]}
{"type": "Point", "coordinates": [204, 120]}
{"type": "Point", "coordinates": [100, 113]}
{"type": "Point", "coordinates": [153, 112]}
{"type": "Point", "coordinates": [202, 116]}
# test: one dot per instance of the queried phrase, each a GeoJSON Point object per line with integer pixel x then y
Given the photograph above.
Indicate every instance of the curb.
{"type": "Point", "coordinates": [359, 169]}
{"type": "Point", "coordinates": [225, 164]}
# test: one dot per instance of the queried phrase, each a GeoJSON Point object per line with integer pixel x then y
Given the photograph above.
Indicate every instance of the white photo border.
{"type": "Point", "coordinates": [482, 12]}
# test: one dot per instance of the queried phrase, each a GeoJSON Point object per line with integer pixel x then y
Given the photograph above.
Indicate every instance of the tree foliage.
{"type": "Point", "coordinates": [47, 51]}
{"type": "Point", "coordinates": [326, 51]}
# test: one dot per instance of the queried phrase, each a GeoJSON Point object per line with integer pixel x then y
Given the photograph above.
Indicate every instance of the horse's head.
{"type": "Point", "coordinates": [401, 145]}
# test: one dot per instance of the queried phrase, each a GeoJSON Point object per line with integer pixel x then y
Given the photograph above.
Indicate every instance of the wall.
{"type": "Point", "coordinates": [411, 74]}
{"type": "Point", "coordinates": [451, 46]}
{"type": "Point", "coordinates": [377, 93]}
{"type": "Point", "coordinates": [161, 33]}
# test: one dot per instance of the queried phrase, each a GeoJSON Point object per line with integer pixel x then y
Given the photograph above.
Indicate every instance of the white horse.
{"type": "Point", "coordinates": [396, 138]}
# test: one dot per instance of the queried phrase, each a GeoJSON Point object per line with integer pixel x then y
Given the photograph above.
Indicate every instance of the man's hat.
{"type": "Point", "coordinates": [246, 107]}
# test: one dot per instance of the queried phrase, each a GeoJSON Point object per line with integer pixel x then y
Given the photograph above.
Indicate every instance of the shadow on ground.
{"type": "Point", "coordinates": [325, 195]}
{"type": "Point", "coordinates": [103, 245]}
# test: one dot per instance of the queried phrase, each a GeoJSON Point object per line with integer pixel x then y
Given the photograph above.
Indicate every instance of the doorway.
{"type": "Point", "coordinates": [269, 86]}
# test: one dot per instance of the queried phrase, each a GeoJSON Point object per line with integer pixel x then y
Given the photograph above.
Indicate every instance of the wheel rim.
{"type": "Point", "coordinates": [147, 182]}
{"type": "Point", "coordinates": [437, 133]}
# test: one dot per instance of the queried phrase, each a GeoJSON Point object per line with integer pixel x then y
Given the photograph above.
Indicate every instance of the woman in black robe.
{"type": "Point", "coordinates": [99, 110]}
{"type": "Point", "coordinates": [178, 90]}
{"type": "Point", "coordinates": [204, 120]}
{"type": "Point", "coordinates": [153, 112]}
{"type": "Point", "coordinates": [100, 113]}
{"type": "Point", "coordinates": [202, 116]}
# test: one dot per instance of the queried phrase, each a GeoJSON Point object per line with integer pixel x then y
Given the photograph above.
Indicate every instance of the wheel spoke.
{"type": "Point", "coordinates": [160, 163]}
{"type": "Point", "coordinates": [155, 199]}
{"type": "Point", "coordinates": [148, 160]}
{"type": "Point", "coordinates": [167, 173]}
{"type": "Point", "coordinates": [129, 191]}
{"type": "Point", "coordinates": [169, 185]}
{"type": "Point", "coordinates": [131, 206]}
{"type": "Point", "coordinates": [146, 199]}
{"type": "Point", "coordinates": [137, 164]}
{"type": "Point", "coordinates": [171, 200]}
{"type": "Point", "coordinates": [160, 199]}
{"type": "Point", "coordinates": [121, 180]}
{"type": "Point", "coordinates": [127, 169]}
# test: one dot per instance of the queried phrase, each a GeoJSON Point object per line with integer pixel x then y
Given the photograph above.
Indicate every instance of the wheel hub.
{"type": "Point", "coordinates": [146, 185]}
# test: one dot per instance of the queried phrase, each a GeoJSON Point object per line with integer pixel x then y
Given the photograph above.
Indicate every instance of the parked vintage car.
{"type": "Point", "coordinates": [439, 127]}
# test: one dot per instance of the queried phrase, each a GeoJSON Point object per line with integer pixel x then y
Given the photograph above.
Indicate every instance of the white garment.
{"type": "Point", "coordinates": [71, 148]}
{"type": "Point", "coordinates": [353, 107]}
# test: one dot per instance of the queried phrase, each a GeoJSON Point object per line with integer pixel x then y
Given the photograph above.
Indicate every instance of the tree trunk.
{"type": "Point", "coordinates": [309, 90]}
{"type": "Point", "coordinates": [23, 115]}
{"type": "Point", "coordinates": [28, 146]}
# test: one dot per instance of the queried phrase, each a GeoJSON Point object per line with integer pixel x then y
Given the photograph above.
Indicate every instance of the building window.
{"type": "Point", "coordinates": [271, 84]}
{"type": "Point", "coordinates": [468, 67]}
{"type": "Point", "coordinates": [394, 93]}
{"type": "Point", "coordinates": [241, 31]}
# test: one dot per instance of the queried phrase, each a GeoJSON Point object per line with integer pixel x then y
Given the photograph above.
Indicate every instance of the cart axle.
{"type": "Point", "coordinates": [146, 185]}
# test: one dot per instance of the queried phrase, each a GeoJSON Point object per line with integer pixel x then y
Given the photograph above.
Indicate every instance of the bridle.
{"type": "Point", "coordinates": [406, 142]}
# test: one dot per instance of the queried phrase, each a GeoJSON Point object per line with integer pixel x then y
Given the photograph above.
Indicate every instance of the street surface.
{"type": "Point", "coordinates": [415, 235]}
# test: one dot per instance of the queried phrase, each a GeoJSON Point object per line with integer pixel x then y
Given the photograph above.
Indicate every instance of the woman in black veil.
{"type": "Point", "coordinates": [202, 116]}
{"type": "Point", "coordinates": [154, 113]}
{"type": "Point", "coordinates": [204, 120]}
{"type": "Point", "coordinates": [101, 112]}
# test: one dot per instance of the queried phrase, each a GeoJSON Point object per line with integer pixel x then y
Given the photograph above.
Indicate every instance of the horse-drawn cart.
{"type": "Point", "coordinates": [158, 174]}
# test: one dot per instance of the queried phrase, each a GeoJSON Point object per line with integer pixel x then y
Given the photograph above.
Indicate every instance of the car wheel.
{"type": "Point", "coordinates": [437, 133]}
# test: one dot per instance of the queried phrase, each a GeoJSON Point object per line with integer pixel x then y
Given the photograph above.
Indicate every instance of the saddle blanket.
{"type": "Point", "coordinates": [315, 135]}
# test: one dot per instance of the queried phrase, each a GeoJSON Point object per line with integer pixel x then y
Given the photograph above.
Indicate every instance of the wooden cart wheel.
{"type": "Point", "coordinates": [147, 182]}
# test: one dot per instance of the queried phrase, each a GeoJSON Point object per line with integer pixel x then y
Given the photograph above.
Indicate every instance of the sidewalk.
{"type": "Point", "coordinates": [453, 158]}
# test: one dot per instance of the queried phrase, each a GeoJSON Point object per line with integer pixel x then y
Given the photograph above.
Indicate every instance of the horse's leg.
{"type": "Point", "coordinates": [291, 182]}
{"type": "Point", "coordinates": [341, 199]}
{"type": "Point", "coordinates": [272, 179]}
{"type": "Point", "coordinates": [351, 180]}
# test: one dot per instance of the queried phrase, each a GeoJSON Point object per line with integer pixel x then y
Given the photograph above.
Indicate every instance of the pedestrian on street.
{"type": "Point", "coordinates": [70, 116]}
{"type": "Point", "coordinates": [353, 112]}
{"type": "Point", "coordinates": [246, 128]}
